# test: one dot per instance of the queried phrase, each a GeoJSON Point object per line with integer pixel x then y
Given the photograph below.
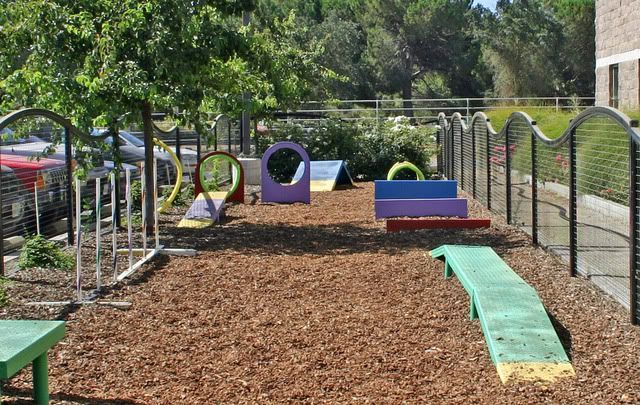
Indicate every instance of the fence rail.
{"type": "Point", "coordinates": [576, 194]}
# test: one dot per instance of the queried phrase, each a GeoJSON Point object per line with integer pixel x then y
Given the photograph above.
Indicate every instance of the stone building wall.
{"type": "Point", "coordinates": [618, 42]}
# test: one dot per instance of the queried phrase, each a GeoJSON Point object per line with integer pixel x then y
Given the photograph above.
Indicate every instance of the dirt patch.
{"type": "Point", "coordinates": [317, 303]}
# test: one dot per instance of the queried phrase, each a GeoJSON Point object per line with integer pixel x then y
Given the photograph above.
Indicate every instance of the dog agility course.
{"type": "Point", "coordinates": [316, 302]}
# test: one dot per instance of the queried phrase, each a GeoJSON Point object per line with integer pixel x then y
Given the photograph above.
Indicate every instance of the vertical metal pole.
{"type": "Point", "coordinates": [178, 143]}
{"type": "Point", "coordinates": [473, 161]}
{"type": "Point", "coordinates": [245, 124]}
{"type": "Point", "coordinates": [198, 146]}
{"type": "Point", "coordinates": [452, 154]}
{"type": "Point", "coordinates": [155, 204]}
{"type": "Point", "coordinates": [68, 158]}
{"type": "Point", "coordinates": [114, 228]}
{"type": "Point", "coordinates": [116, 170]}
{"type": "Point", "coordinates": [144, 209]}
{"type": "Point", "coordinates": [129, 226]}
{"type": "Point", "coordinates": [98, 239]}
{"type": "Point", "coordinates": [557, 104]}
{"type": "Point", "coordinates": [2, 273]}
{"type": "Point", "coordinates": [78, 242]}
{"type": "Point", "coordinates": [35, 196]}
{"type": "Point", "coordinates": [461, 157]}
{"type": "Point", "coordinates": [534, 189]}
{"type": "Point", "coordinates": [468, 112]}
{"type": "Point", "coordinates": [507, 165]}
{"type": "Point", "coordinates": [633, 231]}
{"type": "Point", "coordinates": [488, 157]}
{"type": "Point", "coordinates": [229, 137]}
{"type": "Point", "coordinates": [573, 206]}
{"type": "Point", "coordinates": [215, 137]}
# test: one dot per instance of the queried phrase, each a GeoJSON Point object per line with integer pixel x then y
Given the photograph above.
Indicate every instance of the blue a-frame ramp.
{"type": "Point", "coordinates": [326, 175]}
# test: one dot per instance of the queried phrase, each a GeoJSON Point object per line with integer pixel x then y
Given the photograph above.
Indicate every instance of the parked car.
{"type": "Point", "coordinates": [48, 176]}
{"type": "Point", "coordinates": [15, 203]}
{"type": "Point", "coordinates": [33, 146]}
{"type": "Point", "coordinates": [188, 157]}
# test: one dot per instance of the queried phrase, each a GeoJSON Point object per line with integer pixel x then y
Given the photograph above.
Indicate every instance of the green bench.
{"type": "Point", "coordinates": [23, 342]}
{"type": "Point", "coordinates": [520, 336]}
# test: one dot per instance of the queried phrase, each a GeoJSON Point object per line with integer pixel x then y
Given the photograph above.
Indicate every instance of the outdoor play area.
{"type": "Point", "coordinates": [316, 300]}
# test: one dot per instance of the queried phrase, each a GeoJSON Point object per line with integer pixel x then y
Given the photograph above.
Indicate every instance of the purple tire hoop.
{"type": "Point", "coordinates": [272, 191]}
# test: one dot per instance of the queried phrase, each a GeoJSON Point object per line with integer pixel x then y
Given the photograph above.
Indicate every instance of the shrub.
{"type": "Point", "coordinates": [369, 149]}
{"type": "Point", "coordinates": [4, 298]}
{"type": "Point", "coordinates": [40, 252]}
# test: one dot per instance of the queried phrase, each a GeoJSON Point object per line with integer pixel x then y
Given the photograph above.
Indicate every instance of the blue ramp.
{"type": "Point", "coordinates": [326, 175]}
{"type": "Point", "coordinates": [415, 189]}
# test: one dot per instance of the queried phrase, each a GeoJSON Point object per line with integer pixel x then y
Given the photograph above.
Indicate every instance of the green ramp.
{"type": "Point", "coordinates": [521, 339]}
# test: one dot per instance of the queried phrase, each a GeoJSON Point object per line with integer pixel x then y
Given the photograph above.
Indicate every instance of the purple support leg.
{"type": "Point", "coordinates": [272, 191]}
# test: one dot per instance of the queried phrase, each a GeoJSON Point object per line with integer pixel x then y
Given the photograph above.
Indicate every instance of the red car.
{"type": "Point", "coordinates": [46, 174]}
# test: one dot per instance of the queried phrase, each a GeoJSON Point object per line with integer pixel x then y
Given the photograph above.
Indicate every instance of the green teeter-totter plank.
{"type": "Point", "coordinates": [477, 267]}
{"type": "Point", "coordinates": [22, 341]}
{"type": "Point", "coordinates": [521, 339]}
{"type": "Point", "coordinates": [516, 326]}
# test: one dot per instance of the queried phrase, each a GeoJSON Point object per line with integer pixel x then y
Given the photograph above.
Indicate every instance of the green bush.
{"type": "Point", "coordinates": [370, 149]}
{"type": "Point", "coordinates": [4, 298]}
{"type": "Point", "coordinates": [40, 252]}
{"type": "Point", "coordinates": [136, 195]}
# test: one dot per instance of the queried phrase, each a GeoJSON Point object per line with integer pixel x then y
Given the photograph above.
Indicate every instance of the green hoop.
{"type": "Point", "coordinates": [404, 165]}
{"type": "Point", "coordinates": [234, 163]}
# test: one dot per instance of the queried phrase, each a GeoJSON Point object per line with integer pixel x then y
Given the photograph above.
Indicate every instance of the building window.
{"type": "Point", "coordinates": [614, 86]}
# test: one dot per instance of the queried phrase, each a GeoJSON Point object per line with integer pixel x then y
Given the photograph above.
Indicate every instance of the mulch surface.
{"type": "Point", "coordinates": [316, 303]}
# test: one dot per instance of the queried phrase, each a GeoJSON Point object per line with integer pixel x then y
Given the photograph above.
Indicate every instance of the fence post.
{"type": "Point", "coordinates": [557, 104]}
{"type": "Point", "coordinates": [452, 153]}
{"type": "Point", "coordinates": [473, 161]}
{"type": "Point", "coordinates": [178, 154]}
{"type": "Point", "coordinates": [507, 166]}
{"type": "Point", "coordinates": [461, 157]}
{"type": "Point", "coordinates": [198, 146]}
{"type": "Point", "coordinates": [440, 149]}
{"type": "Point", "coordinates": [488, 168]}
{"type": "Point", "coordinates": [68, 156]}
{"type": "Point", "coordinates": [116, 171]}
{"type": "Point", "coordinates": [229, 137]}
{"type": "Point", "coordinates": [633, 231]}
{"type": "Point", "coordinates": [2, 273]}
{"type": "Point", "coordinates": [468, 111]}
{"type": "Point", "coordinates": [573, 206]}
{"type": "Point", "coordinates": [534, 189]}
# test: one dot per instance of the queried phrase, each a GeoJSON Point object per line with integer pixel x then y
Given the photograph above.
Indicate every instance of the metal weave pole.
{"type": "Point", "coordinates": [633, 231]}
{"type": "Point", "coordinates": [573, 206]}
{"type": "Point", "coordinates": [98, 239]}
{"type": "Point", "coordinates": [78, 242]}
{"type": "Point", "coordinates": [534, 189]}
{"type": "Point", "coordinates": [155, 204]}
{"type": "Point", "coordinates": [114, 227]}
{"type": "Point", "coordinates": [452, 154]}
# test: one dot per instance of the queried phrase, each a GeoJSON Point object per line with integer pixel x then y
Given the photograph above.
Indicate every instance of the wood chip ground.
{"type": "Point", "coordinates": [316, 303]}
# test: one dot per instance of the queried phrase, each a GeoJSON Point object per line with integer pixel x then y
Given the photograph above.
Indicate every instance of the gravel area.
{"type": "Point", "coordinates": [316, 303]}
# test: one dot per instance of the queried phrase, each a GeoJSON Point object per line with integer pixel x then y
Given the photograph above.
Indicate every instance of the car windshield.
{"type": "Point", "coordinates": [131, 139]}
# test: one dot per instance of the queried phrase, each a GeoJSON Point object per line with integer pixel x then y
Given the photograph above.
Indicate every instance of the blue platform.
{"type": "Point", "coordinates": [415, 189]}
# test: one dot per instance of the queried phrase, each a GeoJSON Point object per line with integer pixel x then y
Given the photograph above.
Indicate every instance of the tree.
{"type": "Point", "coordinates": [95, 60]}
{"type": "Point", "coordinates": [407, 39]}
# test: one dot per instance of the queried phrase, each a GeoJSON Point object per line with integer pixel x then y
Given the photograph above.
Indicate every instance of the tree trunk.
{"type": "Point", "coordinates": [407, 94]}
{"type": "Point", "coordinates": [149, 180]}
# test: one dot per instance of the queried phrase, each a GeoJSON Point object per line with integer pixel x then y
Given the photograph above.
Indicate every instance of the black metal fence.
{"type": "Point", "coordinates": [576, 194]}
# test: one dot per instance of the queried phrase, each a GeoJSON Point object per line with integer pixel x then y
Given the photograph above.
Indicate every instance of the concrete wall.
{"type": "Point", "coordinates": [618, 41]}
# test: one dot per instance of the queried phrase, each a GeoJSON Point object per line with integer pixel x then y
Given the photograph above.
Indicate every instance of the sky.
{"type": "Point", "coordinates": [491, 4]}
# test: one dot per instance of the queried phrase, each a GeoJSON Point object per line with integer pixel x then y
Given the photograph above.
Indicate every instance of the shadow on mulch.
{"type": "Point", "coordinates": [22, 397]}
{"type": "Point", "coordinates": [563, 334]}
{"type": "Point", "coordinates": [340, 239]}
